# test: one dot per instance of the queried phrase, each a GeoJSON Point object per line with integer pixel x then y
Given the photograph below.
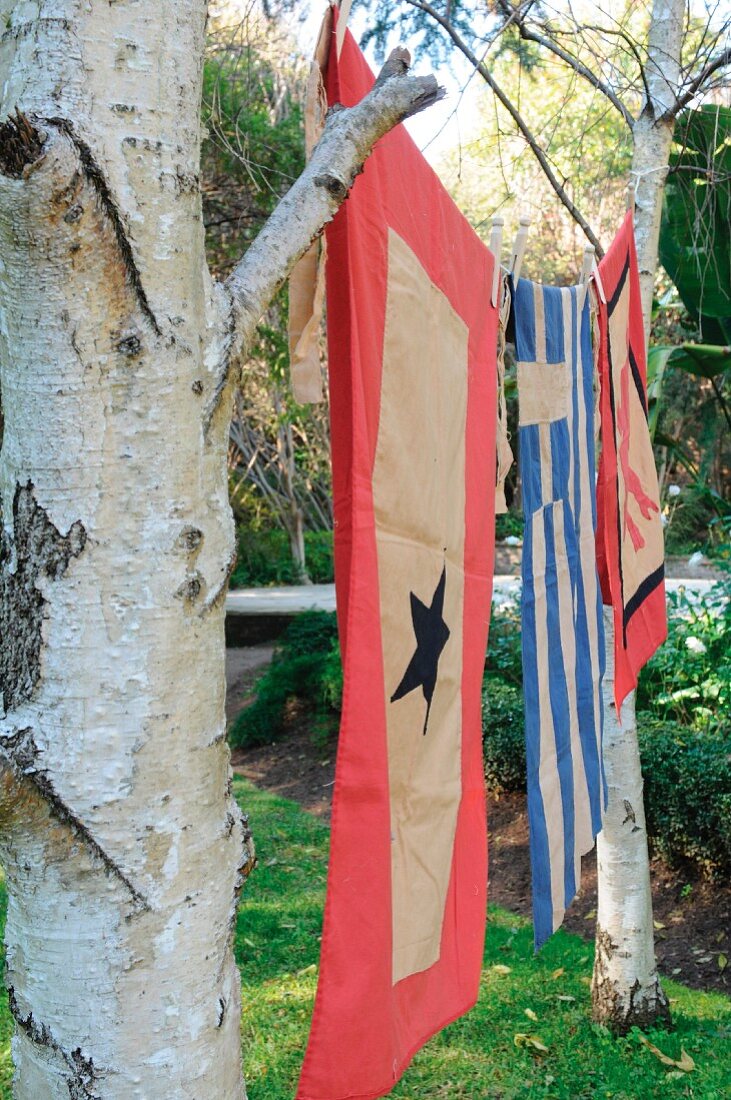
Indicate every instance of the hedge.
{"type": "Point", "coordinates": [687, 772]}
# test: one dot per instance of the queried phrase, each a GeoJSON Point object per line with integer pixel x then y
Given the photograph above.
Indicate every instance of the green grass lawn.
{"type": "Point", "coordinates": [476, 1058]}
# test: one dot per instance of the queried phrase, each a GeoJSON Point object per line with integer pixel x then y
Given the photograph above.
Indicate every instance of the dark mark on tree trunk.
{"type": "Point", "coordinates": [83, 1076]}
{"type": "Point", "coordinates": [98, 180]}
{"type": "Point", "coordinates": [614, 1011]}
{"type": "Point", "coordinates": [20, 145]}
{"type": "Point", "coordinates": [35, 549]}
{"type": "Point", "coordinates": [333, 186]}
{"type": "Point", "coordinates": [22, 755]}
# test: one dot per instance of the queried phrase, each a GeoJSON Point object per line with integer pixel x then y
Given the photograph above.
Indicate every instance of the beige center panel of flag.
{"type": "Point", "coordinates": [419, 503]}
{"type": "Point", "coordinates": [639, 562]}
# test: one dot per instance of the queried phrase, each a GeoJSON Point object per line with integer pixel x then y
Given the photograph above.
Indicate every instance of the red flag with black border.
{"type": "Point", "coordinates": [629, 540]}
{"type": "Point", "coordinates": [412, 347]}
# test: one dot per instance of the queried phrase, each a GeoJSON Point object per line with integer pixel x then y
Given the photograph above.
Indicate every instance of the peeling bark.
{"type": "Point", "coordinates": [20, 146]}
{"type": "Point", "coordinates": [35, 548]}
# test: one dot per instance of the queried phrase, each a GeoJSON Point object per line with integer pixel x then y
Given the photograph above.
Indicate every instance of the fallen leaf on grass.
{"type": "Point", "coordinates": [530, 1014]}
{"type": "Point", "coordinates": [684, 1062]}
{"type": "Point", "coordinates": [564, 997]}
{"type": "Point", "coordinates": [307, 970]}
{"type": "Point", "coordinates": [558, 973]}
{"type": "Point", "coordinates": [500, 968]}
{"type": "Point", "coordinates": [531, 1041]}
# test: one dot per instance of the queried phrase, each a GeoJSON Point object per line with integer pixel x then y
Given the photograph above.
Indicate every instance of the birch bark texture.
{"type": "Point", "coordinates": [626, 989]}
{"type": "Point", "coordinates": [652, 136]}
{"type": "Point", "coordinates": [123, 847]}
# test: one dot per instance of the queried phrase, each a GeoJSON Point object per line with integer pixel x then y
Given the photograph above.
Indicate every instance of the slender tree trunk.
{"type": "Point", "coordinates": [626, 989]}
{"type": "Point", "coordinates": [293, 515]}
{"type": "Point", "coordinates": [123, 847]}
{"type": "Point", "coordinates": [296, 529]}
{"type": "Point", "coordinates": [652, 137]}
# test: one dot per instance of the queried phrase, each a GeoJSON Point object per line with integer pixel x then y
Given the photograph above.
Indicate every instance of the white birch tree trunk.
{"type": "Point", "coordinates": [652, 135]}
{"type": "Point", "coordinates": [123, 847]}
{"type": "Point", "coordinates": [626, 989]}
{"type": "Point", "coordinates": [120, 838]}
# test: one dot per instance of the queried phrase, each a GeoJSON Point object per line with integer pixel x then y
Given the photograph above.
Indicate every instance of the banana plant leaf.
{"type": "Point", "coordinates": [703, 360]}
{"type": "Point", "coordinates": [695, 243]}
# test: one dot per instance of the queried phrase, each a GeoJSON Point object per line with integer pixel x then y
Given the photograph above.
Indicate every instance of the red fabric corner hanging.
{"type": "Point", "coordinates": [629, 541]}
{"type": "Point", "coordinates": [412, 347]}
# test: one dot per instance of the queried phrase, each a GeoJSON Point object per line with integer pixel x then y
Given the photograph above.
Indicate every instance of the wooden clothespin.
{"type": "Point", "coordinates": [587, 266]}
{"type": "Point", "coordinates": [344, 6]}
{"type": "Point", "coordinates": [590, 270]}
{"type": "Point", "coordinates": [630, 196]}
{"type": "Point", "coordinates": [521, 240]}
{"type": "Point", "coordinates": [496, 247]}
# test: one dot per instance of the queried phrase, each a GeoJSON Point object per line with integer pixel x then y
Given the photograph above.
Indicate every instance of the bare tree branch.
{"type": "Point", "coordinates": [529, 35]}
{"type": "Point", "coordinates": [314, 198]}
{"type": "Point", "coordinates": [631, 45]}
{"type": "Point", "coordinates": [695, 85]}
{"type": "Point", "coordinates": [519, 121]}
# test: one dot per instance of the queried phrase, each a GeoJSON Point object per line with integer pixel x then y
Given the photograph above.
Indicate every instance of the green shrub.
{"type": "Point", "coordinates": [503, 735]}
{"type": "Point", "coordinates": [264, 558]}
{"type": "Point", "coordinates": [686, 764]}
{"type": "Point", "coordinates": [687, 792]}
{"type": "Point", "coordinates": [509, 523]}
{"type": "Point", "coordinates": [305, 669]}
{"type": "Point", "coordinates": [319, 556]}
{"type": "Point", "coordinates": [504, 659]}
{"type": "Point", "coordinates": [689, 678]}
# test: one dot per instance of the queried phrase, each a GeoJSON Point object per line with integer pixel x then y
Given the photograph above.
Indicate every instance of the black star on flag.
{"type": "Point", "coordinates": [431, 637]}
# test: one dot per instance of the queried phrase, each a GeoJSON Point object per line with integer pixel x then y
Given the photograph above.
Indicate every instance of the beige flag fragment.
{"type": "Point", "coordinates": [307, 281]}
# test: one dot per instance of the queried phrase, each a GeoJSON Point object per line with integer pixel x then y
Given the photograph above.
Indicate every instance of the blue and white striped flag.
{"type": "Point", "coordinates": [563, 638]}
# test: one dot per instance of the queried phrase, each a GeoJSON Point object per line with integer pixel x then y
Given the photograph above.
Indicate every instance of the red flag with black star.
{"type": "Point", "coordinates": [412, 349]}
{"type": "Point", "coordinates": [629, 542]}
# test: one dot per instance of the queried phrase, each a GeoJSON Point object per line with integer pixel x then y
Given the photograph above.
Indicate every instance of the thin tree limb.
{"type": "Point", "coordinates": [631, 45]}
{"type": "Point", "coordinates": [518, 119]}
{"type": "Point", "coordinates": [314, 198]}
{"type": "Point", "coordinates": [529, 35]}
{"type": "Point", "coordinates": [718, 62]}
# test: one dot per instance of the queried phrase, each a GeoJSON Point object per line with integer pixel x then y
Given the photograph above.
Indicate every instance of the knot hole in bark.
{"type": "Point", "coordinates": [20, 145]}
{"type": "Point", "coordinates": [333, 186]}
